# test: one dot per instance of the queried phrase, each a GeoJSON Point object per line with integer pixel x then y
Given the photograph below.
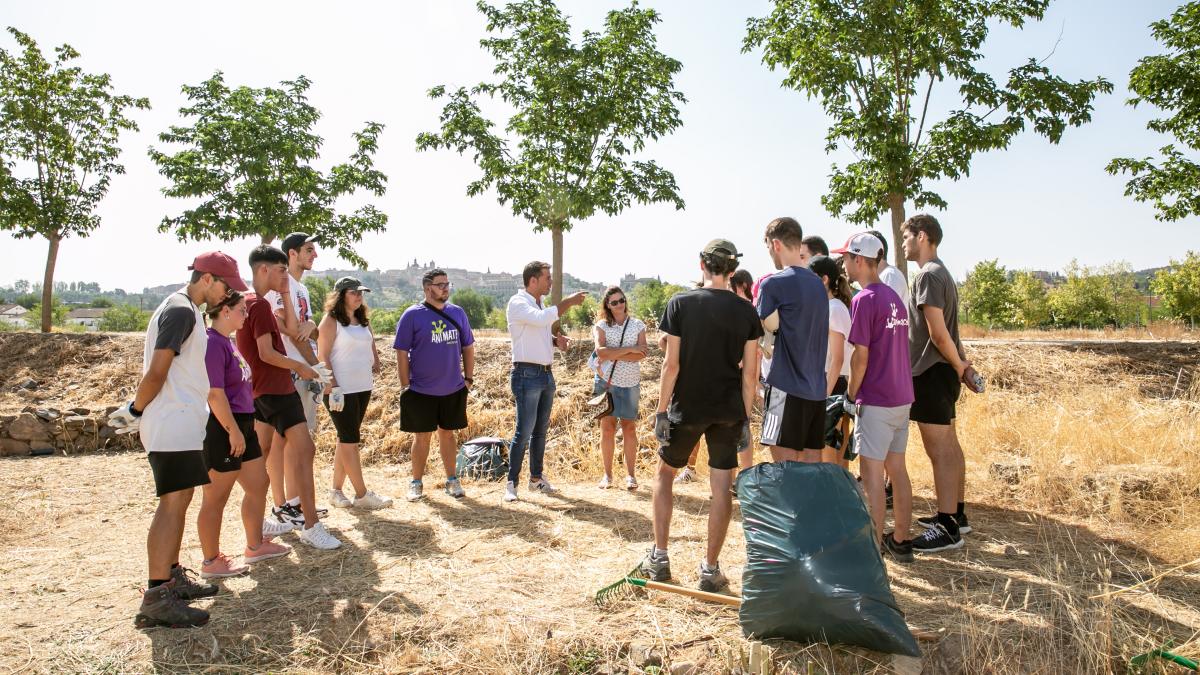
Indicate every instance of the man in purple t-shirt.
{"type": "Point", "coordinates": [880, 390]}
{"type": "Point", "coordinates": [435, 357]}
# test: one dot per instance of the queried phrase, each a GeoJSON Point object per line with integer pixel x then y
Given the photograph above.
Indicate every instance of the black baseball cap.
{"type": "Point", "coordinates": [823, 266]}
{"type": "Point", "coordinates": [296, 240]}
{"type": "Point", "coordinates": [350, 284]}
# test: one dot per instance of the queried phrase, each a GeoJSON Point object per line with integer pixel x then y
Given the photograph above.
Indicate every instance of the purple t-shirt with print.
{"type": "Point", "coordinates": [229, 371]}
{"type": "Point", "coordinates": [879, 321]}
{"type": "Point", "coordinates": [433, 346]}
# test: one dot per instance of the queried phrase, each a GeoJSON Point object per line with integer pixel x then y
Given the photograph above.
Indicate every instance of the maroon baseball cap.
{"type": "Point", "coordinates": [222, 265]}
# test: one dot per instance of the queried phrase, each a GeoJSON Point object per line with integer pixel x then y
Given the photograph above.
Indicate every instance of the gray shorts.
{"type": "Point", "coordinates": [878, 431]}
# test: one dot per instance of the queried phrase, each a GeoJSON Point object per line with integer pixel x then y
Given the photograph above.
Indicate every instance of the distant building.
{"type": "Point", "coordinates": [88, 317]}
{"type": "Point", "coordinates": [14, 315]}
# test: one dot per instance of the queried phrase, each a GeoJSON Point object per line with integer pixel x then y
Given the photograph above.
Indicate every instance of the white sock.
{"type": "Point", "coordinates": [294, 501]}
{"type": "Point", "coordinates": [660, 553]}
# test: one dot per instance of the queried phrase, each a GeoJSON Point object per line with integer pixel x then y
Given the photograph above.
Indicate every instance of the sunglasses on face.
{"type": "Point", "coordinates": [617, 302]}
{"type": "Point", "coordinates": [443, 286]}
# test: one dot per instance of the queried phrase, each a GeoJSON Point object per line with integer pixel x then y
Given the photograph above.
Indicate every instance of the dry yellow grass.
{"type": "Point", "coordinates": [1083, 479]}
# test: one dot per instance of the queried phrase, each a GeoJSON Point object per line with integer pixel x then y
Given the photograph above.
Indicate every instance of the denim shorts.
{"type": "Point", "coordinates": [625, 399]}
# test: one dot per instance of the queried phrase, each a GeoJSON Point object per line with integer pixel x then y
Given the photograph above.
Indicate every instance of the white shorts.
{"type": "Point", "coordinates": [878, 431]}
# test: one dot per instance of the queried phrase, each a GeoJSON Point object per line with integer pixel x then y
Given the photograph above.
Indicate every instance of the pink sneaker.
{"type": "Point", "coordinates": [265, 551]}
{"type": "Point", "coordinates": [222, 566]}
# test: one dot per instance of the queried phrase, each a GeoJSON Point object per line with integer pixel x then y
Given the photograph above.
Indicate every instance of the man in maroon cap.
{"type": "Point", "coordinates": [170, 411]}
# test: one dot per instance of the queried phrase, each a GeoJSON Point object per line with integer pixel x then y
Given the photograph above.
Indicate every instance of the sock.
{"type": "Point", "coordinates": [705, 567]}
{"type": "Point", "coordinates": [947, 520]}
{"type": "Point", "coordinates": [416, 480]}
{"type": "Point", "coordinates": [208, 560]}
{"type": "Point", "coordinates": [155, 582]}
{"type": "Point", "coordinates": [659, 553]}
{"type": "Point", "coordinates": [959, 512]}
{"type": "Point", "coordinates": [449, 478]}
{"type": "Point", "coordinates": [294, 501]}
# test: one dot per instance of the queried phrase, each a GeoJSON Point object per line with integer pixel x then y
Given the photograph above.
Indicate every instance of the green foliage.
{"type": "Point", "coordinates": [987, 296]}
{"type": "Point", "coordinates": [873, 66]}
{"type": "Point", "coordinates": [1168, 82]}
{"type": "Point", "coordinates": [59, 128]}
{"type": "Point", "coordinates": [101, 303]}
{"type": "Point", "coordinates": [125, 319]}
{"type": "Point", "coordinates": [58, 315]}
{"type": "Point", "coordinates": [319, 287]}
{"type": "Point", "coordinates": [247, 157]}
{"type": "Point", "coordinates": [1031, 308]}
{"type": "Point", "coordinates": [498, 319]}
{"type": "Point", "coordinates": [1179, 288]}
{"type": "Point", "coordinates": [582, 111]}
{"type": "Point", "coordinates": [1095, 298]}
{"type": "Point", "coordinates": [27, 300]}
{"type": "Point", "coordinates": [383, 321]}
{"type": "Point", "coordinates": [582, 315]}
{"type": "Point", "coordinates": [648, 300]}
{"type": "Point", "coordinates": [475, 304]}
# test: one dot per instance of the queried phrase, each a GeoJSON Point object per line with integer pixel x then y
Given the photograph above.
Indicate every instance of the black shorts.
{"type": "Point", "coordinates": [175, 471]}
{"type": "Point", "coordinates": [792, 422]}
{"type": "Point", "coordinates": [935, 392]}
{"type": "Point", "coordinates": [348, 420]}
{"type": "Point", "coordinates": [216, 443]}
{"type": "Point", "coordinates": [422, 413]}
{"type": "Point", "coordinates": [721, 437]}
{"type": "Point", "coordinates": [282, 411]}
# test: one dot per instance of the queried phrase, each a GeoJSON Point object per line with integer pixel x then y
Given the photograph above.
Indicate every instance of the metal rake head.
{"type": "Point", "coordinates": [618, 588]}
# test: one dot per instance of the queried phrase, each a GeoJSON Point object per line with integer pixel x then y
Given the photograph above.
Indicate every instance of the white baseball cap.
{"type": "Point", "coordinates": [864, 244]}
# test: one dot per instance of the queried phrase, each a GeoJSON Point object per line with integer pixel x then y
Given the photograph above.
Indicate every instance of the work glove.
{"type": "Point", "coordinates": [337, 400]}
{"type": "Point", "coordinates": [324, 374]}
{"type": "Point", "coordinates": [851, 408]}
{"type": "Point", "coordinates": [124, 420]}
{"type": "Point", "coordinates": [662, 429]}
{"type": "Point", "coordinates": [743, 442]}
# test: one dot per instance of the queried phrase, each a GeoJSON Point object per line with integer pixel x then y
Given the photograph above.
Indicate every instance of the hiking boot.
{"type": "Point", "coordinates": [712, 580]}
{"type": "Point", "coordinates": [655, 568]}
{"type": "Point", "coordinates": [318, 537]}
{"type": "Point", "coordinates": [372, 501]}
{"type": "Point", "coordinates": [222, 566]}
{"type": "Point", "coordinates": [902, 551]}
{"type": "Point", "coordinates": [273, 527]}
{"type": "Point", "coordinates": [188, 589]}
{"type": "Point", "coordinates": [936, 538]}
{"type": "Point", "coordinates": [454, 488]}
{"type": "Point", "coordinates": [688, 475]}
{"type": "Point", "coordinates": [265, 551]}
{"type": "Point", "coordinates": [416, 490]}
{"type": "Point", "coordinates": [542, 485]}
{"type": "Point", "coordinates": [162, 607]}
{"type": "Point", "coordinates": [339, 499]}
{"type": "Point", "coordinates": [963, 526]}
{"type": "Point", "coordinates": [510, 491]}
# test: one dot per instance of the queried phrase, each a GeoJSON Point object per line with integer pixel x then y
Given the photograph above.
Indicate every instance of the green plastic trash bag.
{"type": "Point", "coordinates": [484, 458]}
{"type": "Point", "coordinates": [813, 569]}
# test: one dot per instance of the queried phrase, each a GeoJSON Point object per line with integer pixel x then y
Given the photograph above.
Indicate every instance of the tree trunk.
{"type": "Point", "coordinates": [896, 206]}
{"type": "Point", "coordinates": [48, 284]}
{"type": "Point", "coordinates": [556, 264]}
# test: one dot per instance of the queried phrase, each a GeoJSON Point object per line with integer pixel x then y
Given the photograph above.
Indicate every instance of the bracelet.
{"type": "Point", "coordinates": [469, 379]}
{"type": "Point", "coordinates": [134, 411]}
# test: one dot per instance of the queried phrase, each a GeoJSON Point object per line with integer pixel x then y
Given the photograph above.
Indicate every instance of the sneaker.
{"type": "Point", "coordinates": [936, 538]}
{"type": "Point", "coordinates": [416, 490]}
{"type": "Point", "coordinates": [963, 526]}
{"type": "Point", "coordinates": [222, 566]}
{"type": "Point", "coordinates": [339, 499]}
{"type": "Point", "coordinates": [542, 485]}
{"type": "Point", "coordinates": [289, 513]}
{"type": "Point", "coordinates": [712, 580]}
{"type": "Point", "coordinates": [455, 489]}
{"type": "Point", "coordinates": [902, 551]}
{"type": "Point", "coordinates": [162, 607]}
{"type": "Point", "coordinates": [372, 501]}
{"type": "Point", "coordinates": [318, 537]}
{"type": "Point", "coordinates": [688, 475]}
{"type": "Point", "coordinates": [604, 483]}
{"type": "Point", "coordinates": [655, 568]}
{"type": "Point", "coordinates": [630, 483]}
{"type": "Point", "coordinates": [265, 551]}
{"type": "Point", "coordinates": [273, 527]}
{"type": "Point", "coordinates": [186, 586]}
{"type": "Point", "coordinates": [510, 491]}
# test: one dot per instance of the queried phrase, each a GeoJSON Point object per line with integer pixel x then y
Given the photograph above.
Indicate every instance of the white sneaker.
{"type": "Point", "coordinates": [273, 528]}
{"type": "Point", "coordinates": [317, 537]}
{"type": "Point", "coordinates": [416, 490]}
{"type": "Point", "coordinates": [630, 483]}
{"type": "Point", "coordinates": [604, 483]}
{"type": "Point", "coordinates": [371, 501]}
{"type": "Point", "coordinates": [339, 499]}
{"type": "Point", "coordinates": [510, 491]}
{"type": "Point", "coordinates": [685, 476]}
{"type": "Point", "coordinates": [543, 486]}
{"type": "Point", "coordinates": [454, 489]}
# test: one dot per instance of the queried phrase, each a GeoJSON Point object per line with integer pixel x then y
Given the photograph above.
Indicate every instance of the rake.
{"type": "Point", "coordinates": [629, 582]}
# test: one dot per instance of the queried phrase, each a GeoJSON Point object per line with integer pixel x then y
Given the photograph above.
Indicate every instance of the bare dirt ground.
{"type": "Point", "coordinates": [480, 587]}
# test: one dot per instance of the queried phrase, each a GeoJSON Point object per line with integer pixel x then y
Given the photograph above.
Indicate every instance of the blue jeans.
{"type": "Point", "coordinates": [533, 389]}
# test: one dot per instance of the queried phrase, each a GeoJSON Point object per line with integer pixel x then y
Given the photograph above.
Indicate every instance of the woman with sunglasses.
{"type": "Point", "coordinates": [620, 343]}
{"type": "Point", "coordinates": [346, 344]}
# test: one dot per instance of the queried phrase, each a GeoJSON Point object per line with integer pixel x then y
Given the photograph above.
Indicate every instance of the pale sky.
{"type": "Point", "coordinates": [748, 150]}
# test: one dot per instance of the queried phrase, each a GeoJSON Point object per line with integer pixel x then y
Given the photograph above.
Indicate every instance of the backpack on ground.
{"type": "Point", "coordinates": [483, 458]}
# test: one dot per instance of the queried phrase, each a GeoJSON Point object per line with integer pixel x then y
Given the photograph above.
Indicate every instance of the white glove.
{"type": "Point", "coordinates": [324, 374]}
{"type": "Point", "coordinates": [123, 420]}
{"type": "Point", "coordinates": [852, 409]}
{"type": "Point", "coordinates": [337, 400]}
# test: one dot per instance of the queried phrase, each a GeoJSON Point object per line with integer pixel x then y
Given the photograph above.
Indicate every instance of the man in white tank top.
{"type": "Point", "coordinates": [170, 410]}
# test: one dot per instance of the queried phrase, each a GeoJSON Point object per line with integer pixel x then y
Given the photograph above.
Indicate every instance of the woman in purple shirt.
{"type": "Point", "coordinates": [231, 448]}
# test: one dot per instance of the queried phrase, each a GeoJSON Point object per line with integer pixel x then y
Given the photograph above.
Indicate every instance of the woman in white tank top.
{"type": "Point", "coordinates": [347, 346]}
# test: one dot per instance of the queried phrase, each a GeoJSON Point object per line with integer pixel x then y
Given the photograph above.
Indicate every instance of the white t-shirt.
{"type": "Point", "coordinates": [839, 322]}
{"type": "Point", "coordinates": [302, 307]}
{"type": "Point", "coordinates": [628, 373]}
{"type": "Point", "coordinates": [894, 278]}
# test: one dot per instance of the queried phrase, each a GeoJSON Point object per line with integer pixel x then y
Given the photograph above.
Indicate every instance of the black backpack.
{"type": "Point", "coordinates": [483, 458]}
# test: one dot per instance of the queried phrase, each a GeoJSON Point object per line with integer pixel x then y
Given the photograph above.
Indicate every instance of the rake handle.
{"type": "Point", "coordinates": [692, 593]}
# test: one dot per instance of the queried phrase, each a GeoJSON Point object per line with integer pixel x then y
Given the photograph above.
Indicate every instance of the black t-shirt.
{"type": "Point", "coordinates": [713, 327]}
{"type": "Point", "coordinates": [175, 323]}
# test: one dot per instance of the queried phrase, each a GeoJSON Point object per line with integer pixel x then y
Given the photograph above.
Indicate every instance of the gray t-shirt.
{"type": "Point", "coordinates": [932, 286]}
{"type": "Point", "coordinates": [176, 321]}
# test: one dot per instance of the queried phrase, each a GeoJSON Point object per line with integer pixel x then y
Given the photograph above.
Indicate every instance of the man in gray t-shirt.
{"type": "Point", "coordinates": [932, 286]}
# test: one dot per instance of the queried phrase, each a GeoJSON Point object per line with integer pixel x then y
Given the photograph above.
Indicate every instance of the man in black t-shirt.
{"type": "Point", "coordinates": [704, 392]}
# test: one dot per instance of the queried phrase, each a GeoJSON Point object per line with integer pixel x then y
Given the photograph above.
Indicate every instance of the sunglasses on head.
{"type": "Point", "coordinates": [618, 301]}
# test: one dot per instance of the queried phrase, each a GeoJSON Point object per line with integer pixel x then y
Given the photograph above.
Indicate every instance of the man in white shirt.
{"type": "Point", "coordinates": [890, 274]}
{"type": "Point", "coordinates": [531, 327]}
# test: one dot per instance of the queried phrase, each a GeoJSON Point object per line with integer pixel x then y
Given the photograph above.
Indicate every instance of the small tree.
{"type": "Point", "coordinates": [56, 311]}
{"type": "Point", "coordinates": [581, 112]}
{"type": "Point", "coordinates": [125, 319]}
{"type": "Point", "coordinates": [648, 300]}
{"type": "Point", "coordinates": [497, 319]}
{"type": "Point", "coordinates": [1094, 298]}
{"type": "Point", "coordinates": [1179, 288]}
{"type": "Point", "coordinates": [59, 128]}
{"type": "Point", "coordinates": [582, 315]}
{"type": "Point", "coordinates": [873, 65]}
{"type": "Point", "coordinates": [1168, 81]}
{"type": "Point", "coordinates": [475, 304]}
{"type": "Point", "coordinates": [246, 156]}
{"type": "Point", "coordinates": [987, 295]}
{"type": "Point", "coordinates": [1030, 306]}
